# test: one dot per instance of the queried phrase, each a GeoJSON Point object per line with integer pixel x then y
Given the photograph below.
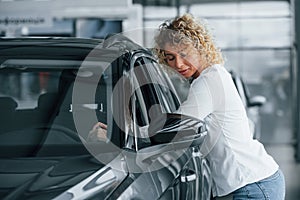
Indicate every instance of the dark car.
{"type": "Point", "coordinates": [54, 90]}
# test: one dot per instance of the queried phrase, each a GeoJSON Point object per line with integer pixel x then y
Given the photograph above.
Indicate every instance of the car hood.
{"type": "Point", "coordinates": [46, 178]}
{"type": "Point", "coordinates": [101, 183]}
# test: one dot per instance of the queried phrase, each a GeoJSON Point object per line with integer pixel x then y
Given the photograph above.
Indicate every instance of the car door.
{"type": "Point", "coordinates": [188, 177]}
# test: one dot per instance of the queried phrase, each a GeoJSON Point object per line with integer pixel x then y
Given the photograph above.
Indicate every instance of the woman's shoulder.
{"type": "Point", "coordinates": [214, 70]}
{"type": "Point", "coordinates": [207, 75]}
{"type": "Point", "coordinates": [214, 75]}
{"type": "Point", "coordinates": [220, 70]}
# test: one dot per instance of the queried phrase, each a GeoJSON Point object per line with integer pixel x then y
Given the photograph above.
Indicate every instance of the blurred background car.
{"type": "Point", "coordinates": [53, 92]}
{"type": "Point", "coordinates": [251, 103]}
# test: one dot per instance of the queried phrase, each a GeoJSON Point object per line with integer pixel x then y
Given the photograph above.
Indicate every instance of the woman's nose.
{"type": "Point", "coordinates": [178, 62]}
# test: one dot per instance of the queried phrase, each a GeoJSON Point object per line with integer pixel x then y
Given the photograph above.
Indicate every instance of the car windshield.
{"type": "Point", "coordinates": [36, 105]}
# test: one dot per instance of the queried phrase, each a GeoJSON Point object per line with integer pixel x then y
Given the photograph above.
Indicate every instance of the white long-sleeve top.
{"type": "Point", "coordinates": [235, 158]}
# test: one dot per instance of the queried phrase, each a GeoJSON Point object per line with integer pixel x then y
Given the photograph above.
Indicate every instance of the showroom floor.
{"type": "Point", "coordinates": [284, 155]}
{"type": "Point", "coordinates": [280, 144]}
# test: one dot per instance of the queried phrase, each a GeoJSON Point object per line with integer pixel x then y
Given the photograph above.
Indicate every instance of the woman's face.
{"type": "Point", "coordinates": [185, 59]}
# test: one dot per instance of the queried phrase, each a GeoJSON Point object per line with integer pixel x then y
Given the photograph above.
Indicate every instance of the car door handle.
{"type": "Point", "coordinates": [189, 176]}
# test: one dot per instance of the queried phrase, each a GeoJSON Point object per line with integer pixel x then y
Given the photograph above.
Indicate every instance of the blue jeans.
{"type": "Point", "coordinates": [271, 188]}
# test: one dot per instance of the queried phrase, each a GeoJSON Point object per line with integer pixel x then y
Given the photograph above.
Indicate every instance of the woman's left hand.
{"type": "Point", "coordinates": [98, 133]}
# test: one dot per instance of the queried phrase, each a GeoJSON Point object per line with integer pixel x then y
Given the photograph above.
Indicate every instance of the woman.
{"type": "Point", "coordinates": [239, 164]}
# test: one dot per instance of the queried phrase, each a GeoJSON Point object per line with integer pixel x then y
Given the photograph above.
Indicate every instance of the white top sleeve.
{"type": "Point", "coordinates": [199, 102]}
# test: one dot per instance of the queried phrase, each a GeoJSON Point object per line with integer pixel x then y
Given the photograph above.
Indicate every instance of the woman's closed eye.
{"type": "Point", "coordinates": [169, 58]}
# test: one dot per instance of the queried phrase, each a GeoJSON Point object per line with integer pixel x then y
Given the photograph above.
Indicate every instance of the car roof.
{"type": "Point", "coordinates": [70, 42]}
{"type": "Point", "coordinates": [65, 48]}
{"type": "Point", "coordinates": [58, 48]}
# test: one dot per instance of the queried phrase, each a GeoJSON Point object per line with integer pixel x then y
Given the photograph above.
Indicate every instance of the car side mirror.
{"type": "Point", "coordinates": [174, 128]}
{"type": "Point", "coordinates": [257, 101]}
{"type": "Point", "coordinates": [172, 132]}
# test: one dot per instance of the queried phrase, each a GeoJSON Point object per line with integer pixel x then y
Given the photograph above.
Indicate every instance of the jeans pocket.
{"type": "Point", "coordinates": [250, 191]}
{"type": "Point", "coordinates": [273, 177]}
{"type": "Point", "coordinates": [274, 186]}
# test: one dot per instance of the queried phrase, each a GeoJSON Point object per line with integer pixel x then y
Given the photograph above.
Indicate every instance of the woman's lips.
{"type": "Point", "coordinates": [182, 72]}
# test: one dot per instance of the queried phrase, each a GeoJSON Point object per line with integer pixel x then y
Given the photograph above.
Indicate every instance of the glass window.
{"type": "Point", "coordinates": [153, 95]}
{"type": "Point", "coordinates": [241, 9]}
{"type": "Point", "coordinates": [26, 87]}
{"type": "Point", "coordinates": [252, 32]}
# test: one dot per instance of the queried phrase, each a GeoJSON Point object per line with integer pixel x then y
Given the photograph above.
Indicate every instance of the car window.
{"type": "Point", "coordinates": [37, 110]}
{"type": "Point", "coordinates": [28, 87]}
{"type": "Point", "coordinates": [153, 95]}
{"type": "Point", "coordinates": [27, 96]}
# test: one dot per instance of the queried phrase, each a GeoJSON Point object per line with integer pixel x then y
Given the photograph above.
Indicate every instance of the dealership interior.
{"type": "Point", "coordinates": [259, 39]}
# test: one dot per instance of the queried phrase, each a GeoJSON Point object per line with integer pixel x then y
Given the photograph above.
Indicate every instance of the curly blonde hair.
{"type": "Point", "coordinates": [187, 30]}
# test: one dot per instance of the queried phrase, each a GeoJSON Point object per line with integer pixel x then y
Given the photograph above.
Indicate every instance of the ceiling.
{"type": "Point", "coordinates": [188, 2]}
